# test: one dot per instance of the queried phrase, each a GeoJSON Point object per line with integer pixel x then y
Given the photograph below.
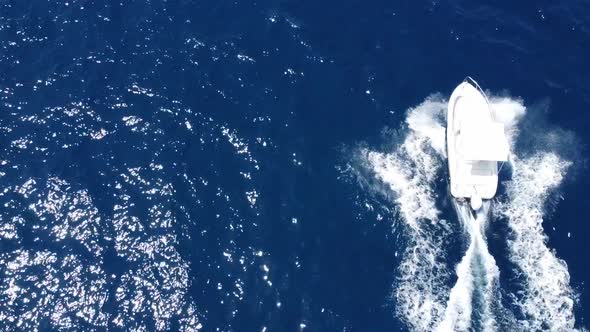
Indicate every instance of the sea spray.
{"type": "Point", "coordinates": [470, 300]}
{"type": "Point", "coordinates": [409, 174]}
{"type": "Point", "coordinates": [548, 299]}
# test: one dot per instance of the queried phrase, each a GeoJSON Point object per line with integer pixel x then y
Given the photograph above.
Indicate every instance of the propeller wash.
{"type": "Point", "coordinates": [434, 293]}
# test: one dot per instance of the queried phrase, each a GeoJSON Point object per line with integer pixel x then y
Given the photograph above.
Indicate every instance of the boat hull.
{"type": "Point", "coordinates": [468, 178]}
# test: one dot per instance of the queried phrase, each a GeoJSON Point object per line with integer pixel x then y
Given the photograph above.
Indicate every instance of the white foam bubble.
{"type": "Point", "coordinates": [426, 121]}
{"type": "Point", "coordinates": [423, 300]}
{"type": "Point", "coordinates": [477, 272]}
{"type": "Point", "coordinates": [409, 172]}
{"type": "Point", "coordinates": [509, 112]}
{"type": "Point", "coordinates": [548, 300]}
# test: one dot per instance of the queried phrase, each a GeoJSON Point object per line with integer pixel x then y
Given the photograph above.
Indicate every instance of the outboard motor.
{"type": "Point", "coordinates": [475, 202]}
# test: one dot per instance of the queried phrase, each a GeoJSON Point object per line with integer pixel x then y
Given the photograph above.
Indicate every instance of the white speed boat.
{"type": "Point", "coordinates": [476, 143]}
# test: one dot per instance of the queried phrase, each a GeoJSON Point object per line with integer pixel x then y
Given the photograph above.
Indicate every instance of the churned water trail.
{"type": "Point", "coordinates": [547, 302]}
{"type": "Point", "coordinates": [428, 295]}
{"type": "Point", "coordinates": [470, 300]}
{"type": "Point", "coordinates": [410, 172]}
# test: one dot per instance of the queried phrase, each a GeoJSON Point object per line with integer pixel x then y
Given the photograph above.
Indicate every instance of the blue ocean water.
{"type": "Point", "coordinates": [202, 165]}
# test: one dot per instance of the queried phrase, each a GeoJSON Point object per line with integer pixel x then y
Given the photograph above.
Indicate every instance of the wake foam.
{"type": "Point", "coordinates": [408, 174]}
{"type": "Point", "coordinates": [548, 300]}
{"type": "Point", "coordinates": [471, 300]}
{"type": "Point", "coordinates": [542, 159]}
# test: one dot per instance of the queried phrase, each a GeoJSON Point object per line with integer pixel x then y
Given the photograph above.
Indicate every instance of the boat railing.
{"type": "Point", "coordinates": [473, 82]}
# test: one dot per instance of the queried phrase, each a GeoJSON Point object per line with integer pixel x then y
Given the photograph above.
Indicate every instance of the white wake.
{"type": "Point", "coordinates": [410, 172]}
{"type": "Point", "coordinates": [477, 277]}
{"type": "Point", "coordinates": [423, 296]}
{"type": "Point", "coordinates": [548, 300]}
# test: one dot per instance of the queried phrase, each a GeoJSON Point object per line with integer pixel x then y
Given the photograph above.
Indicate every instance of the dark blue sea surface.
{"type": "Point", "coordinates": [194, 165]}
